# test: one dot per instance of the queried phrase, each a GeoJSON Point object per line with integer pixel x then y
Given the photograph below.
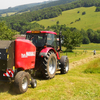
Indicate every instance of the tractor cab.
{"type": "Point", "coordinates": [42, 39]}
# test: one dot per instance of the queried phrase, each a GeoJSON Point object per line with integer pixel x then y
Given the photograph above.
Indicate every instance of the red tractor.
{"type": "Point", "coordinates": [39, 51]}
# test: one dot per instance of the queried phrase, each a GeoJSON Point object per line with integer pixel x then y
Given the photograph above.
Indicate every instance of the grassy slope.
{"type": "Point", "coordinates": [90, 20]}
{"type": "Point", "coordinates": [91, 46]}
{"type": "Point", "coordinates": [9, 14]}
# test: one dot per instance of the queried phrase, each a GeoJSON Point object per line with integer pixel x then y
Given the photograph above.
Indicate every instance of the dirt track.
{"type": "Point", "coordinates": [83, 61]}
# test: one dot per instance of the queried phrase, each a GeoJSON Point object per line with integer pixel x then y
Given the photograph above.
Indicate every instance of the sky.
{"type": "Point", "coordinates": [4, 4]}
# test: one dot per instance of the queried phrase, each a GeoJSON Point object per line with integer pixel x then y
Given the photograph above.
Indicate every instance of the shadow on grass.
{"type": "Point", "coordinates": [7, 87]}
{"type": "Point", "coordinates": [40, 77]}
{"type": "Point", "coordinates": [64, 51]}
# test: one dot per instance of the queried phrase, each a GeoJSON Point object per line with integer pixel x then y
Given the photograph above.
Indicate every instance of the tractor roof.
{"type": "Point", "coordinates": [37, 32]}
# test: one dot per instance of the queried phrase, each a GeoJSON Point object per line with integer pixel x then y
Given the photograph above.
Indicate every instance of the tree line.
{"type": "Point", "coordinates": [5, 32]}
{"type": "Point", "coordinates": [16, 22]}
{"type": "Point", "coordinates": [72, 36]}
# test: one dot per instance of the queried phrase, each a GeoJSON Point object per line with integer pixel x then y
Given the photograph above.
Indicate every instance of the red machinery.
{"type": "Point", "coordinates": [39, 51]}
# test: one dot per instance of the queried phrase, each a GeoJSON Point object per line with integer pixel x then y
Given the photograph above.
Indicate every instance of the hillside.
{"type": "Point", "coordinates": [22, 22]}
{"type": "Point", "coordinates": [21, 7]}
{"type": "Point", "coordinates": [50, 4]}
{"type": "Point", "coordinates": [33, 6]}
{"type": "Point", "coordinates": [90, 20]}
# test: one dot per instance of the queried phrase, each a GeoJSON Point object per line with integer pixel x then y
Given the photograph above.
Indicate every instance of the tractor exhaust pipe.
{"type": "Point", "coordinates": [60, 40]}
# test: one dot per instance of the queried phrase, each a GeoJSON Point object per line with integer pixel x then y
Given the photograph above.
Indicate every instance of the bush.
{"type": "Point", "coordinates": [77, 19]}
{"type": "Point", "coordinates": [86, 40]}
{"type": "Point", "coordinates": [83, 13]}
{"type": "Point", "coordinates": [97, 9]}
{"type": "Point", "coordinates": [71, 22]}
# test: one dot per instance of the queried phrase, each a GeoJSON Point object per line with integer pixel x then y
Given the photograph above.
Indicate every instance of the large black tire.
{"type": "Point", "coordinates": [22, 80]}
{"type": "Point", "coordinates": [64, 64]}
{"type": "Point", "coordinates": [49, 65]}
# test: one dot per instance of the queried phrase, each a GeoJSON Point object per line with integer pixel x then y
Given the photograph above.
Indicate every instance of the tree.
{"type": "Point", "coordinates": [83, 13]}
{"type": "Point", "coordinates": [98, 31]}
{"type": "Point", "coordinates": [5, 32]}
{"type": "Point", "coordinates": [57, 22]}
{"type": "Point", "coordinates": [97, 9]}
{"type": "Point", "coordinates": [72, 39]}
{"type": "Point", "coordinates": [78, 12]}
{"type": "Point", "coordinates": [90, 34]}
{"type": "Point", "coordinates": [85, 40]}
{"type": "Point", "coordinates": [96, 38]}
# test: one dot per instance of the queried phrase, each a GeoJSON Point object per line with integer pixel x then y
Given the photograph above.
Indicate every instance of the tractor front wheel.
{"type": "Point", "coordinates": [49, 65]}
{"type": "Point", "coordinates": [33, 83]}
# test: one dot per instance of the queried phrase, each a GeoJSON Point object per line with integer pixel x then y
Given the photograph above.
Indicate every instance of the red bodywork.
{"type": "Point", "coordinates": [46, 50]}
{"type": "Point", "coordinates": [25, 53]}
{"type": "Point", "coordinates": [49, 32]}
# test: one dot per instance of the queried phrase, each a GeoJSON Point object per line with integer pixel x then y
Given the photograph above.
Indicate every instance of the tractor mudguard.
{"type": "Point", "coordinates": [43, 52]}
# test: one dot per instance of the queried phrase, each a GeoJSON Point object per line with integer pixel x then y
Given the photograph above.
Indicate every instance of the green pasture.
{"type": "Point", "coordinates": [91, 46]}
{"type": "Point", "coordinates": [12, 13]}
{"type": "Point", "coordinates": [84, 51]}
{"type": "Point", "coordinates": [90, 20]}
{"type": "Point", "coordinates": [8, 14]}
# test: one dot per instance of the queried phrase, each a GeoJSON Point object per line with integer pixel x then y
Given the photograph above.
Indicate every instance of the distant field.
{"type": "Point", "coordinates": [12, 13]}
{"type": "Point", "coordinates": [90, 20]}
{"type": "Point", "coordinates": [8, 14]}
{"type": "Point", "coordinates": [91, 46]}
{"type": "Point", "coordinates": [84, 51]}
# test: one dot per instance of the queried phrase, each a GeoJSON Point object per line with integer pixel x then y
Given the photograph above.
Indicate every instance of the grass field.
{"type": "Point", "coordinates": [8, 14]}
{"type": "Point", "coordinates": [90, 20]}
{"type": "Point", "coordinates": [12, 13]}
{"type": "Point", "coordinates": [91, 46]}
{"type": "Point", "coordinates": [85, 50]}
{"type": "Point", "coordinates": [77, 84]}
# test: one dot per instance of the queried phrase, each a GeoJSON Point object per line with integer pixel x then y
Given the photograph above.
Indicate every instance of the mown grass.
{"type": "Point", "coordinates": [89, 20]}
{"type": "Point", "coordinates": [93, 67]}
{"type": "Point", "coordinates": [75, 85]}
{"type": "Point", "coordinates": [91, 46]}
{"type": "Point", "coordinates": [84, 51]}
{"type": "Point", "coordinates": [76, 55]}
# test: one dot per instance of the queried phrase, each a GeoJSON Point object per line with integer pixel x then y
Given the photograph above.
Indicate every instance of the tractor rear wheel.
{"type": "Point", "coordinates": [22, 80]}
{"type": "Point", "coordinates": [49, 65]}
{"type": "Point", "coordinates": [64, 64]}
